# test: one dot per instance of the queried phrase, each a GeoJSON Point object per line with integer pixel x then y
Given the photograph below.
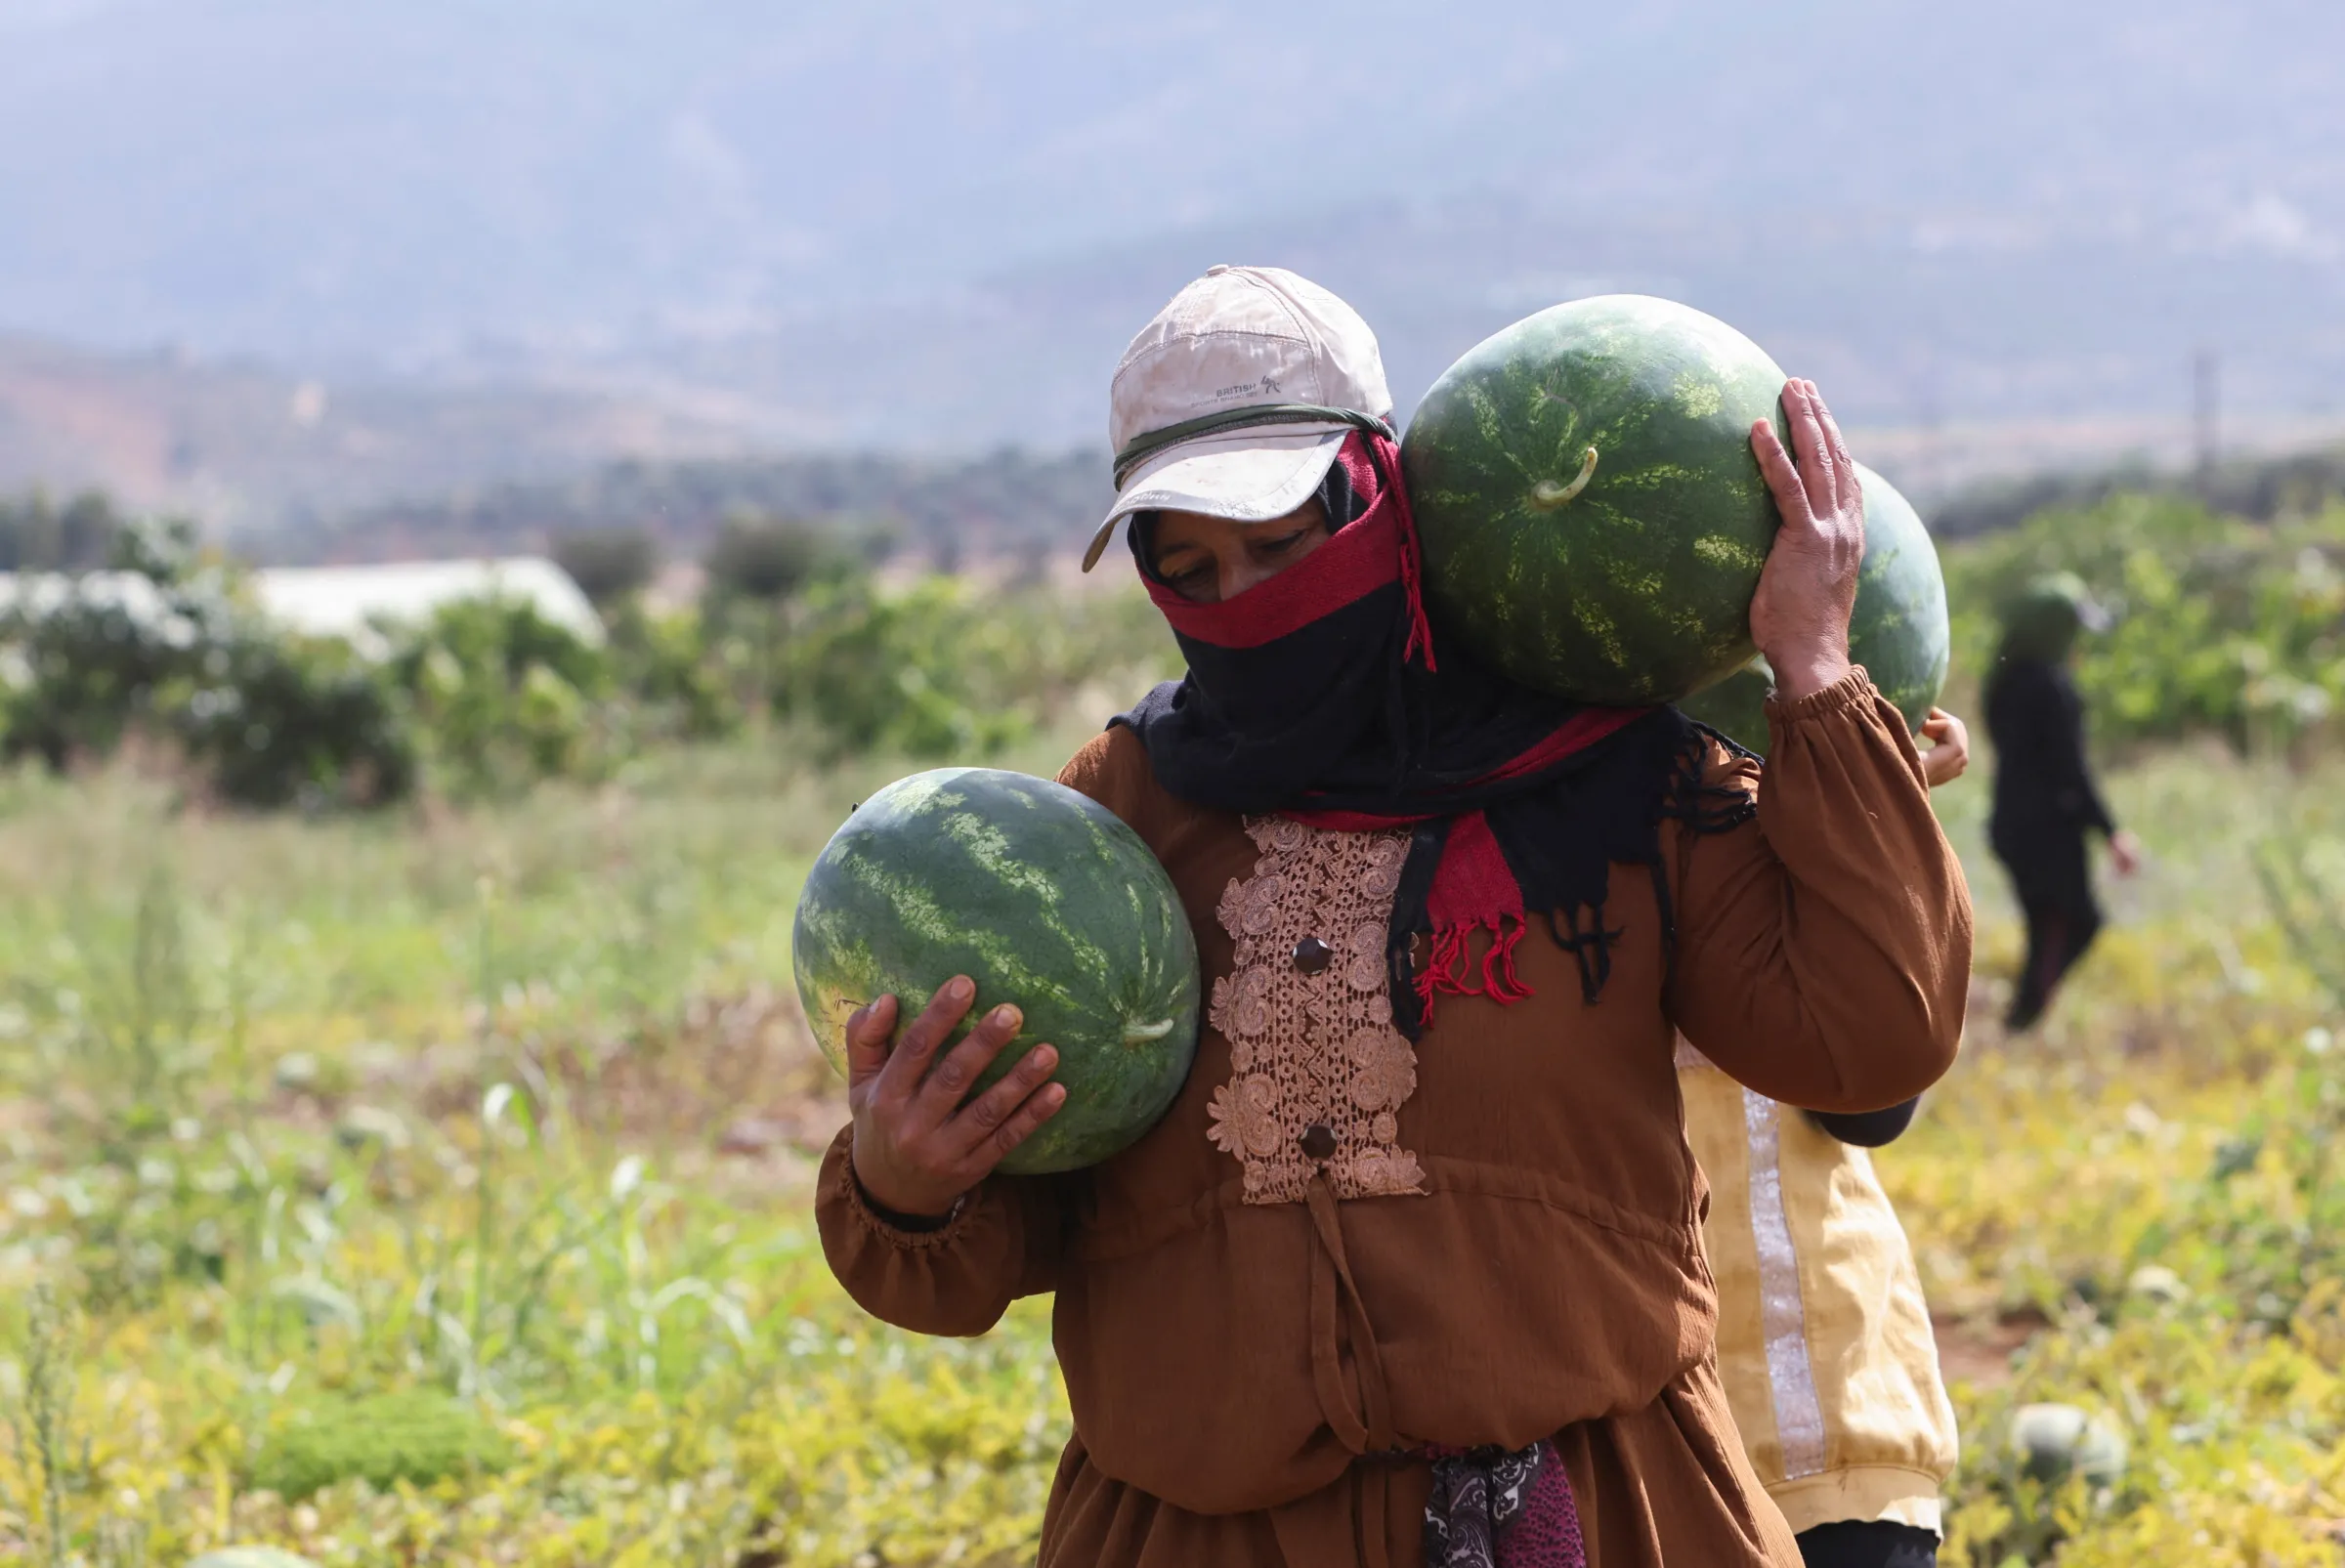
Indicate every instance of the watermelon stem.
{"type": "Point", "coordinates": [1135, 1033]}
{"type": "Point", "coordinates": [1547, 494]}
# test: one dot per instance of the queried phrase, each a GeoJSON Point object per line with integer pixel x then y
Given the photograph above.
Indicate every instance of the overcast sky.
{"type": "Point", "coordinates": [389, 180]}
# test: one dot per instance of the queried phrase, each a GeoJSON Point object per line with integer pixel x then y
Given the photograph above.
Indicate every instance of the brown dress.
{"type": "Point", "coordinates": [1338, 1247]}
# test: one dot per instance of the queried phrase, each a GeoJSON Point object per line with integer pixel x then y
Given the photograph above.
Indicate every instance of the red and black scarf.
{"type": "Point", "coordinates": [1317, 695]}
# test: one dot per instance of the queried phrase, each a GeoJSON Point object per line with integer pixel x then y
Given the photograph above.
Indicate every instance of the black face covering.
{"type": "Point", "coordinates": [1236, 735]}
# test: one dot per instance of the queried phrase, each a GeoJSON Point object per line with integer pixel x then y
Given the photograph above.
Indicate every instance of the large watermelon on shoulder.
{"type": "Point", "coordinates": [1043, 898]}
{"type": "Point", "coordinates": [1737, 707]}
{"type": "Point", "coordinates": [1593, 519]}
{"type": "Point", "coordinates": [1898, 631]}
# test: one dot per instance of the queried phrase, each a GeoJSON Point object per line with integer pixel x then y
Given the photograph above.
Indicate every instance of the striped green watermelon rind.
{"type": "Point", "coordinates": [1043, 898]}
{"type": "Point", "coordinates": [1898, 631]}
{"type": "Point", "coordinates": [1636, 587]}
{"type": "Point", "coordinates": [1737, 707]}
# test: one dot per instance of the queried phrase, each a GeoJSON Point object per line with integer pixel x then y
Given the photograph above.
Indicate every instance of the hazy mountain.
{"type": "Point", "coordinates": [912, 224]}
{"type": "Point", "coordinates": [388, 177]}
{"type": "Point", "coordinates": [1908, 320]}
{"type": "Point", "coordinates": [243, 443]}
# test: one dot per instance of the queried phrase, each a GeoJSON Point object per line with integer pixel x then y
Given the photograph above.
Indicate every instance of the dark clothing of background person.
{"type": "Point", "coordinates": [1881, 1544]}
{"type": "Point", "coordinates": [2045, 800]}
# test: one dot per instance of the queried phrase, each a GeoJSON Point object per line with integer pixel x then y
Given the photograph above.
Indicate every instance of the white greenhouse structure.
{"type": "Point", "coordinates": [347, 602]}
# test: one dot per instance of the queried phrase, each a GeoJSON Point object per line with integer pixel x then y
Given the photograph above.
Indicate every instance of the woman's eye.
{"type": "Point", "coordinates": [1184, 579]}
{"type": "Point", "coordinates": [1284, 542]}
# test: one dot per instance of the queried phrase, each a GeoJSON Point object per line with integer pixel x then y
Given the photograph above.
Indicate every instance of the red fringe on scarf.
{"type": "Point", "coordinates": [1474, 890]}
{"type": "Point", "coordinates": [1450, 971]}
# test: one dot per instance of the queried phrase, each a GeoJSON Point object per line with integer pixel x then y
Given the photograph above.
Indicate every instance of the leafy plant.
{"type": "Point", "coordinates": [674, 680]}
{"type": "Point", "coordinates": [608, 564]}
{"type": "Point", "coordinates": [166, 642]}
{"type": "Point", "coordinates": [37, 534]}
{"type": "Point", "coordinates": [2223, 625]}
{"type": "Point", "coordinates": [944, 668]}
{"type": "Point", "coordinates": [278, 720]}
{"type": "Point", "coordinates": [412, 1436]}
{"type": "Point", "coordinates": [914, 673]}
{"type": "Point", "coordinates": [43, 1434]}
{"type": "Point", "coordinates": [764, 559]}
{"type": "Point", "coordinates": [91, 656]}
{"type": "Point", "coordinates": [2306, 909]}
{"type": "Point", "coordinates": [501, 695]}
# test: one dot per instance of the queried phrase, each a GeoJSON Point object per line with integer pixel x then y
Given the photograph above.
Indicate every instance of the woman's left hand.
{"type": "Point", "coordinates": [1800, 614]}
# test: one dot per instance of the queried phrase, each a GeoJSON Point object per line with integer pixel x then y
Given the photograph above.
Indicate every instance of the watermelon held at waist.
{"type": "Point", "coordinates": [1046, 900]}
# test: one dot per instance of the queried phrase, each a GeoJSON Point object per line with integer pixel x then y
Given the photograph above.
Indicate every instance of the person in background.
{"type": "Point", "coordinates": [2045, 798]}
{"type": "Point", "coordinates": [1824, 1343]}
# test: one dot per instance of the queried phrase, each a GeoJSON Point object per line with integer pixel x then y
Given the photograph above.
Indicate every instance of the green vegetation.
{"type": "Point", "coordinates": [2142, 1197]}
{"type": "Point", "coordinates": [507, 1107]}
{"type": "Point", "coordinates": [2223, 625]}
{"type": "Point", "coordinates": [488, 697]}
{"type": "Point", "coordinates": [414, 1436]}
{"type": "Point", "coordinates": [40, 535]}
{"type": "Point", "coordinates": [2262, 489]}
{"type": "Point", "coordinates": [165, 647]}
{"type": "Point", "coordinates": [507, 1104]}
{"type": "Point", "coordinates": [608, 564]}
{"type": "Point", "coordinates": [430, 1185]}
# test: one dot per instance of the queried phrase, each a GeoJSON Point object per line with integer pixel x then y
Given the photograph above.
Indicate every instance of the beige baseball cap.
{"type": "Point", "coordinates": [1236, 399]}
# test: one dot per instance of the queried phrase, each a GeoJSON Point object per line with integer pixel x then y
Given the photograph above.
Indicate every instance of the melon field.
{"type": "Point", "coordinates": [431, 1187]}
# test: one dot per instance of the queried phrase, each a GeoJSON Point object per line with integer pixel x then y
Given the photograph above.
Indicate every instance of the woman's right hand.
{"type": "Point", "coordinates": [1808, 589]}
{"type": "Point", "coordinates": [2125, 853]}
{"type": "Point", "coordinates": [917, 1149]}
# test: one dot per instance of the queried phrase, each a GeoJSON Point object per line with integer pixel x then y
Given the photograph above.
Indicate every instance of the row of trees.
{"type": "Point", "coordinates": [794, 633]}
{"type": "Point", "coordinates": [996, 504]}
{"type": "Point", "coordinates": [40, 535]}
{"type": "Point", "coordinates": [755, 558]}
{"type": "Point", "coordinates": [2225, 625]}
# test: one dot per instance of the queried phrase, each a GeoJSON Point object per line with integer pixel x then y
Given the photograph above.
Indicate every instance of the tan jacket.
{"type": "Point", "coordinates": [1824, 1340]}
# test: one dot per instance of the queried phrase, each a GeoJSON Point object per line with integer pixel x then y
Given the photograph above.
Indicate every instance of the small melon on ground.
{"type": "Point", "coordinates": [2053, 1442]}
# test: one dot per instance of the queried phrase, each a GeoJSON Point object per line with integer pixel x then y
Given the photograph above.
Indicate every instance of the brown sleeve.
{"type": "Point", "coordinates": [1113, 769]}
{"type": "Point", "coordinates": [1825, 948]}
{"type": "Point", "coordinates": [1003, 1242]}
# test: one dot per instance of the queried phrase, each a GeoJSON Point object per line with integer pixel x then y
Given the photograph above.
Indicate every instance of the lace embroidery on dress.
{"type": "Point", "coordinates": [1313, 1048]}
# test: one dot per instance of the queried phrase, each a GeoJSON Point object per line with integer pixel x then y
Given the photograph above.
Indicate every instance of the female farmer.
{"type": "Point", "coordinates": [2045, 800]}
{"type": "Point", "coordinates": [1412, 1270]}
{"type": "Point", "coordinates": [1824, 1343]}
